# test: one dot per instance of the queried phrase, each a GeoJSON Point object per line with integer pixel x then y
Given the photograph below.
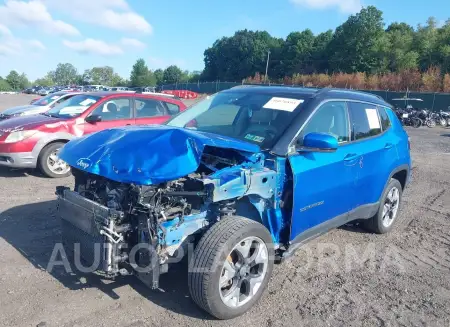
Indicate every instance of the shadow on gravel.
{"type": "Point", "coordinates": [34, 229]}
{"type": "Point", "coordinates": [446, 135]}
{"type": "Point", "coordinates": [11, 172]}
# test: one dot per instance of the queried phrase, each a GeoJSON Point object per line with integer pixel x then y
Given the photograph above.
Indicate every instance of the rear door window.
{"type": "Point", "coordinates": [364, 120]}
{"type": "Point", "coordinates": [147, 108]}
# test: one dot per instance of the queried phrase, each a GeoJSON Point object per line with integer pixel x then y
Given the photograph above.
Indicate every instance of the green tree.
{"type": "Point", "coordinates": [13, 79]}
{"type": "Point", "coordinates": [319, 55]}
{"type": "Point", "coordinates": [141, 75]}
{"type": "Point", "coordinates": [159, 76]}
{"type": "Point", "coordinates": [64, 74]}
{"type": "Point", "coordinates": [425, 43]}
{"type": "Point", "coordinates": [297, 52]}
{"type": "Point", "coordinates": [173, 74]}
{"type": "Point", "coordinates": [401, 55]}
{"type": "Point", "coordinates": [44, 81]}
{"type": "Point", "coordinates": [242, 55]}
{"type": "Point", "coordinates": [357, 44]}
{"type": "Point", "coordinates": [4, 85]}
{"type": "Point", "coordinates": [442, 47]}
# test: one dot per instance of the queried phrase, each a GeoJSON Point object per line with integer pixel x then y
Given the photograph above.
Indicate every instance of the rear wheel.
{"type": "Point", "coordinates": [386, 216]}
{"type": "Point", "coordinates": [443, 122]}
{"type": "Point", "coordinates": [431, 123]}
{"type": "Point", "coordinates": [50, 164]}
{"type": "Point", "coordinates": [231, 267]}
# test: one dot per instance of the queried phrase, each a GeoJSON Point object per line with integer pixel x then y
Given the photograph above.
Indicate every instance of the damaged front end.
{"type": "Point", "coordinates": [125, 225]}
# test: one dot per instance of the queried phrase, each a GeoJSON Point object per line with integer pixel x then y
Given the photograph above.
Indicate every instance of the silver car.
{"type": "Point", "coordinates": [37, 107]}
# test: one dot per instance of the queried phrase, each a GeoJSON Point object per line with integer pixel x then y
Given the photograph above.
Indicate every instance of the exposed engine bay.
{"type": "Point", "coordinates": [160, 220]}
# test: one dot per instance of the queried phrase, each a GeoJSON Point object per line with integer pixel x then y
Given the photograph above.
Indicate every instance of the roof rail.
{"type": "Point", "coordinates": [244, 85]}
{"type": "Point", "coordinates": [327, 89]}
{"type": "Point", "coordinates": [321, 91]}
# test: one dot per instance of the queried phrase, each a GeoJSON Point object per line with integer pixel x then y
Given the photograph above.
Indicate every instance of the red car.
{"type": "Point", "coordinates": [34, 141]}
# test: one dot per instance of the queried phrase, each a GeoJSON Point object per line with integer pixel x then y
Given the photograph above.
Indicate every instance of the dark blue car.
{"type": "Point", "coordinates": [244, 178]}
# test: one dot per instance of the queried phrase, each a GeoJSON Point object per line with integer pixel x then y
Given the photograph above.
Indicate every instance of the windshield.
{"type": "Point", "coordinates": [74, 106]}
{"type": "Point", "coordinates": [46, 100]}
{"type": "Point", "coordinates": [253, 117]}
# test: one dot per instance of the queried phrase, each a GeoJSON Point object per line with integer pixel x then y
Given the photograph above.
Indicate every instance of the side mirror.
{"type": "Point", "coordinates": [318, 142]}
{"type": "Point", "coordinates": [93, 119]}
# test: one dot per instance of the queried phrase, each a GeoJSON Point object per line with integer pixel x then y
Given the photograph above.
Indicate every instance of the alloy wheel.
{"type": "Point", "coordinates": [390, 207]}
{"type": "Point", "coordinates": [243, 272]}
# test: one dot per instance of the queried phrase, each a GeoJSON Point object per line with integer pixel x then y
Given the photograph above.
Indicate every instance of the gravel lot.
{"type": "Point", "coordinates": [344, 278]}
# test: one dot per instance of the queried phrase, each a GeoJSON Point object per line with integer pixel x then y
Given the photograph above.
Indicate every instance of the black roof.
{"type": "Point", "coordinates": [325, 93]}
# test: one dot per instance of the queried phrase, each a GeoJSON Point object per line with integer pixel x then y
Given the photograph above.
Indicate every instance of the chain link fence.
{"type": "Point", "coordinates": [433, 101]}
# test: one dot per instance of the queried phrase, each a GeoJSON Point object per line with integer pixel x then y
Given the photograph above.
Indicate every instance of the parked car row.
{"type": "Point", "coordinates": [247, 176]}
{"type": "Point", "coordinates": [43, 91]}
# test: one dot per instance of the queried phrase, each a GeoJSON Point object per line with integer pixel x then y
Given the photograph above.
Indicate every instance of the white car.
{"type": "Point", "coordinates": [37, 107]}
{"type": "Point", "coordinates": [44, 92]}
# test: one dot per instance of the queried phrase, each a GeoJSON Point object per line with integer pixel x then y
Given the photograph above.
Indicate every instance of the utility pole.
{"type": "Point", "coordinates": [267, 66]}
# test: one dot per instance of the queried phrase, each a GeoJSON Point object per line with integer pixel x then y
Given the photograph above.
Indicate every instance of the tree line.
{"type": "Point", "coordinates": [360, 53]}
{"type": "Point", "coordinates": [67, 74]}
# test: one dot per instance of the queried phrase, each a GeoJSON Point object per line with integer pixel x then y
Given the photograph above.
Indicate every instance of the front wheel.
{"type": "Point", "coordinates": [50, 164]}
{"type": "Point", "coordinates": [231, 267]}
{"type": "Point", "coordinates": [443, 122]}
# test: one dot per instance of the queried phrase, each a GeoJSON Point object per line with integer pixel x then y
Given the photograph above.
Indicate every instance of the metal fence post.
{"type": "Point", "coordinates": [434, 99]}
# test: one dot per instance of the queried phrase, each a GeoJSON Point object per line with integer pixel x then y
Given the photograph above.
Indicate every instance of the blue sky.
{"type": "Point", "coordinates": [35, 35]}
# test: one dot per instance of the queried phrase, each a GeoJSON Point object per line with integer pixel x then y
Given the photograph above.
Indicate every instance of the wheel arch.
{"type": "Point", "coordinates": [50, 139]}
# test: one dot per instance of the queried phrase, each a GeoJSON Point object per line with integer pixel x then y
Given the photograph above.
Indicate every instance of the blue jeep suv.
{"type": "Point", "coordinates": [243, 178]}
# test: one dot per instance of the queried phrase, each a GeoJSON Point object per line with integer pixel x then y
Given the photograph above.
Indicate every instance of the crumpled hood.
{"type": "Point", "coordinates": [26, 122]}
{"type": "Point", "coordinates": [145, 154]}
{"type": "Point", "coordinates": [20, 109]}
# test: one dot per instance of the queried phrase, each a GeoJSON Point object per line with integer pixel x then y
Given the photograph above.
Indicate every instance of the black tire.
{"type": "Point", "coordinates": [208, 260]}
{"type": "Point", "coordinates": [375, 224]}
{"type": "Point", "coordinates": [42, 160]}
{"type": "Point", "coordinates": [431, 123]}
{"type": "Point", "coordinates": [416, 122]}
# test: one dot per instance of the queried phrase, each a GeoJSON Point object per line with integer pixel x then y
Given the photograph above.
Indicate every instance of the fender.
{"type": "Point", "coordinates": [396, 170]}
{"type": "Point", "coordinates": [48, 138]}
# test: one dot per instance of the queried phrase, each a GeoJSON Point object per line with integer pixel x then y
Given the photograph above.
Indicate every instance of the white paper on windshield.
{"type": "Point", "coordinates": [372, 117]}
{"type": "Point", "coordinates": [283, 104]}
{"type": "Point", "coordinates": [73, 110]}
{"type": "Point", "coordinates": [405, 115]}
{"type": "Point", "coordinates": [87, 102]}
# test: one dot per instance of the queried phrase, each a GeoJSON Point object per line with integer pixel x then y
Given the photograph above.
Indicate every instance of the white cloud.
{"type": "Point", "coordinates": [132, 43]}
{"type": "Point", "coordinates": [91, 46]}
{"type": "Point", "coordinates": [36, 44]}
{"type": "Point", "coordinates": [5, 31]}
{"type": "Point", "coordinates": [34, 14]}
{"type": "Point", "coordinates": [345, 6]}
{"type": "Point", "coordinates": [113, 14]}
{"type": "Point", "coordinates": [11, 45]}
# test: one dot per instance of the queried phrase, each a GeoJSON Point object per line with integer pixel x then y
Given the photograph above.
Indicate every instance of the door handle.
{"type": "Point", "coordinates": [388, 145]}
{"type": "Point", "coordinates": [351, 157]}
{"type": "Point", "coordinates": [128, 125]}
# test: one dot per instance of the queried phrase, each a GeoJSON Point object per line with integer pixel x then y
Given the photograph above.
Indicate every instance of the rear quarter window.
{"type": "Point", "coordinates": [384, 118]}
